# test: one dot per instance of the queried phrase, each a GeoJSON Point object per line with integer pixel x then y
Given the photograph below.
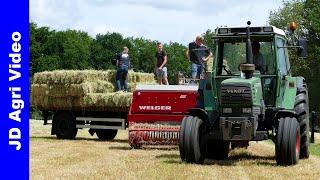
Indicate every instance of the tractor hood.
{"type": "Point", "coordinates": [239, 88]}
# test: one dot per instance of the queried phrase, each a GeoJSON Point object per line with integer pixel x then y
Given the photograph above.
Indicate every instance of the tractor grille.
{"type": "Point", "coordinates": [235, 95]}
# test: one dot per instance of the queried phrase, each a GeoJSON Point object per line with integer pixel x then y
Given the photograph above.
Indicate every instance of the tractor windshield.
{"type": "Point", "coordinates": [232, 54]}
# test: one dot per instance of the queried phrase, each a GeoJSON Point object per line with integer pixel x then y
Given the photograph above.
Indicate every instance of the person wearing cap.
{"type": "Point", "coordinates": [161, 65]}
{"type": "Point", "coordinates": [123, 64]}
{"type": "Point", "coordinates": [198, 57]}
{"type": "Point", "coordinates": [258, 59]}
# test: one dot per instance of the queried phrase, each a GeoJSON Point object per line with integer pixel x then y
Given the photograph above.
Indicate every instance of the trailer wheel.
{"type": "Point", "coordinates": [191, 141]}
{"type": "Point", "coordinates": [288, 141]}
{"type": "Point", "coordinates": [106, 134]}
{"type": "Point", "coordinates": [301, 108]}
{"type": "Point", "coordinates": [65, 125]}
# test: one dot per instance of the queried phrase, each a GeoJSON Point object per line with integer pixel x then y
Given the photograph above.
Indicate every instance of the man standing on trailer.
{"type": "Point", "coordinates": [161, 68]}
{"type": "Point", "coordinates": [123, 64]}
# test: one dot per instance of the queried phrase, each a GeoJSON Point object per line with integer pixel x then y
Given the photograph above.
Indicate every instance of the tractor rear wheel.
{"type": "Point", "coordinates": [106, 134]}
{"type": "Point", "coordinates": [191, 141]}
{"type": "Point", "coordinates": [288, 141]}
{"type": "Point", "coordinates": [302, 110]}
{"type": "Point", "coordinates": [65, 125]}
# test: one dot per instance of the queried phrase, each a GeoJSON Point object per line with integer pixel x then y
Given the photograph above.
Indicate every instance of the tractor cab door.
{"type": "Point", "coordinates": [283, 69]}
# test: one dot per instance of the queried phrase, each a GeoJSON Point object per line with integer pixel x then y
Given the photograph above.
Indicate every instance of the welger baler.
{"type": "Point", "coordinates": [156, 112]}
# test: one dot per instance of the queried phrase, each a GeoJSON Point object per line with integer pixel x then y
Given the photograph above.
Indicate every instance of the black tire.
{"type": "Point", "coordinates": [288, 141]}
{"type": "Point", "coordinates": [301, 107]}
{"type": "Point", "coordinates": [191, 141]}
{"type": "Point", "coordinates": [106, 134]}
{"type": "Point", "coordinates": [217, 149]}
{"type": "Point", "coordinates": [181, 139]}
{"type": "Point", "coordinates": [65, 125]}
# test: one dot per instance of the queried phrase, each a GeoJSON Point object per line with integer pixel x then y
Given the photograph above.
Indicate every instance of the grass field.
{"type": "Point", "coordinates": [88, 158]}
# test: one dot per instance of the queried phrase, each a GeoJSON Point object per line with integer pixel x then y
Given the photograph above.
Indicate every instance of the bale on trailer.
{"type": "Point", "coordinates": [84, 99]}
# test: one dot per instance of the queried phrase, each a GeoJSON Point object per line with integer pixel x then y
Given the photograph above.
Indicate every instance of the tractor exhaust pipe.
{"type": "Point", "coordinates": [249, 46]}
{"type": "Point", "coordinates": [248, 68]}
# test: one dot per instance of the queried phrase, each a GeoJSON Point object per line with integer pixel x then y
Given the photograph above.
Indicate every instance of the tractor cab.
{"type": "Point", "coordinates": [231, 53]}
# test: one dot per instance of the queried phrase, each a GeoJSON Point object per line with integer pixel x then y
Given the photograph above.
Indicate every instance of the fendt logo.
{"type": "Point", "coordinates": [236, 91]}
{"type": "Point", "coordinates": [157, 108]}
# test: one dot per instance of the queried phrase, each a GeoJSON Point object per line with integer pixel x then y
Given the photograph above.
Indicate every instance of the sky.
{"type": "Point", "coordinates": [163, 20]}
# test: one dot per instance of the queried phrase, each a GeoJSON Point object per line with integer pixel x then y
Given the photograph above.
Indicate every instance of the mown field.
{"type": "Point", "coordinates": [88, 158]}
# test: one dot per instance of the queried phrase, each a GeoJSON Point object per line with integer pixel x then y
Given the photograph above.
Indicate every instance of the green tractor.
{"type": "Point", "coordinates": [250, 95]}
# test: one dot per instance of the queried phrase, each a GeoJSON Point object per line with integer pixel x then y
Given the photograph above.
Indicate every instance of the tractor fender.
{"type": "Point", "coordinates": [300, 81]}
{"type": "Point", "coordinates": [285, 113]}
{"type": "Point", "coordinates": [201, 113]}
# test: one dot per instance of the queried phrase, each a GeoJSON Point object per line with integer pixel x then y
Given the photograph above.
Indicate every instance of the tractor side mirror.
{"type": "Point", "coordinates": [302, 50]}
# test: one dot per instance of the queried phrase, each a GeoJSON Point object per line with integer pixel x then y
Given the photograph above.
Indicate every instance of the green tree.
{"type": "Point", "coordinates": [312, 24]}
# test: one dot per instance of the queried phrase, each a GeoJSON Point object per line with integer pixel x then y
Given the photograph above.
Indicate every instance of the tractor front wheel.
{"type": "Point", "coordinates": [288, 141]}
{"type": "Point", "coordinates": [191, 141]}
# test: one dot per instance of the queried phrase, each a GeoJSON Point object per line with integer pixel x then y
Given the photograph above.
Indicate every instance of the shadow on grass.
{"type": "Point", "coordinates": [78, 138]}
{"type": "Point", "coordinates": [170, 156]}
{"type": "Point", "coordinates": [231, 161]}
{"type": "Point", "coordinates": [144, 148]}
{"type": "Point", "coordinates": [120, 148]}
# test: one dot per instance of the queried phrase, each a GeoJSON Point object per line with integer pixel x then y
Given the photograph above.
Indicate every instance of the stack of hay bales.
{"type": "Point", "coordinates": [83, 90]}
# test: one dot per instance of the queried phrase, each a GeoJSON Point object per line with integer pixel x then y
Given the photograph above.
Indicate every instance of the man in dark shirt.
{"type": "Point", "coordinates": [198, 54]}
{"type": "Point", "coordinates": [123, 65]}
{"type": "Point", "coordinates": [161, 68]}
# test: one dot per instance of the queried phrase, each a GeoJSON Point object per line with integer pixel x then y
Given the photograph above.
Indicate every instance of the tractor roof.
{"type": "Point", "coordinates": [263, 30]}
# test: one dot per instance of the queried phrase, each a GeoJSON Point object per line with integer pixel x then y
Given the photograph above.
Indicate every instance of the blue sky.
{"type": "Point", "coordinates": [163, 20]}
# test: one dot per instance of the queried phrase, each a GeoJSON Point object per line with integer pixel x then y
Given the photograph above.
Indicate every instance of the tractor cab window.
{"type": "Point", "coordinates": [232, 54]}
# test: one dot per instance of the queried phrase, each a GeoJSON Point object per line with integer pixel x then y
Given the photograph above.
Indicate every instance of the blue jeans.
{"type": "Point", "coordinates": [196, 70]}
{"type": "Point", "coordinates": [122, 78]}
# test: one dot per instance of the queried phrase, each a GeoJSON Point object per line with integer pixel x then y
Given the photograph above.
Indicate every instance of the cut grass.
{"type": "Point", "coordinates": [88, 158]}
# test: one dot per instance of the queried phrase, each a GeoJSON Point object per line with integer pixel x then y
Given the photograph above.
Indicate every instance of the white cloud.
{"type": "Point", "coordinates": [166, 20]}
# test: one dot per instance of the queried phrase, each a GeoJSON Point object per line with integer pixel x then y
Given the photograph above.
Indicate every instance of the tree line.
{"type": "Point", "coordinates": [71, 49]}
{"type": "Point", "coordinates": [307, 14]}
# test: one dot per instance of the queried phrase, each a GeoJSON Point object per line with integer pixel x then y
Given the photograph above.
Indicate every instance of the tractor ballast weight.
{"type": "Point", "coordinates": [249, 96]}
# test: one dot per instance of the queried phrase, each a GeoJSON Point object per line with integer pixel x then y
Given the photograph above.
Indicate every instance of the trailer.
{"type": "Point", "coordinates": [104, 122]}
{"type": "Point", "coordinates": [153, 118]}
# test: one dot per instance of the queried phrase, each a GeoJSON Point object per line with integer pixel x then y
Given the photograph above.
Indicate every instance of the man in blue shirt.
{"type": "Point", "coordinates": [123, 65]}
{"type": "Point", "coordinates": [198, 54]}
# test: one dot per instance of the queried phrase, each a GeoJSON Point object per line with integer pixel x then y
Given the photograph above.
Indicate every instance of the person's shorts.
{"type": "Point", "coordinates": [161, 73]}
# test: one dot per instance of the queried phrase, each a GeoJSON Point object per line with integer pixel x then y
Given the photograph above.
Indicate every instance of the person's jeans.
{"type": "Point", "coordinates": [196, 70]}
{"type": "Point", "coordinates": [122, 78]}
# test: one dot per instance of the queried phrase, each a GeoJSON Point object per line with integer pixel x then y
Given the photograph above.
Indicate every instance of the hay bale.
{"type": "Point", "coordinates": [116, 99]}
{"type": "Point", "coordinates": [82, 76]}
{"type": "Point", "coordinates": [74, 90]}
{"type": "Point", "coordinates": [86, 89]}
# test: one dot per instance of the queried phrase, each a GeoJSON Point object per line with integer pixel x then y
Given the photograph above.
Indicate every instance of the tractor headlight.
{"type": "Point", "coordinates": [227, 110]}
{"type": "Point", "coordinates": [246, 110]}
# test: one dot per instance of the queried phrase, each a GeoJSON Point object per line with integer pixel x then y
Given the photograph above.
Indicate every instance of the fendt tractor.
{"type": "Point", "coordinates": [249, 98]}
